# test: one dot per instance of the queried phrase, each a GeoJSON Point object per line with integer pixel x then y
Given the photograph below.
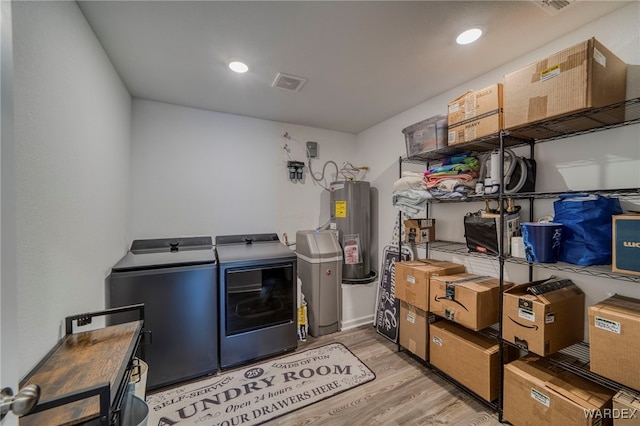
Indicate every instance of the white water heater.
{"type": "Point", "coordinates": [351, 217]}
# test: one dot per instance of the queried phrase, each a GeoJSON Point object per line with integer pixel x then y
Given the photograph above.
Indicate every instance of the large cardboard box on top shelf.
{"type": "Point", "coordinates": [626, 244]}
{"type": "Point", "coordinates": [475, 114]}
{"type": "Point", "coordinates": [470, 358]}
{"type": "Point", "coordinates": [414, 330]}
{"type": "Point", "coordinates": [412, 279]}
{"type": "Point", "coordinates": [543, 316]}
{"type": "Point", "coordinates": [626, 409]}
{"type": "Point", "coordinates": [467, 299]}
{"type": "Point", "coordinates": [538, 394]}
{"type": "Point", "coordinates": [614, 339]}
{"type": "Point", "coordinates": [586, 75]}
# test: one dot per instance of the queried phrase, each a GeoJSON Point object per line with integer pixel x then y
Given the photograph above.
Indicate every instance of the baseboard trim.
{"type": "Point", "coordinates": [356, 322]}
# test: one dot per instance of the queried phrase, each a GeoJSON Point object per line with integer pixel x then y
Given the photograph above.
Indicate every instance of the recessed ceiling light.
{"type": "Point", "coordinates": [239, 67]}
{"type": "Point", "coordinates": [469, 36]}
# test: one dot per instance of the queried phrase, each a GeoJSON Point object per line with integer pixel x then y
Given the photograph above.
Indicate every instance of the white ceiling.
{"type": "Point", "coordinates": [365, 61]}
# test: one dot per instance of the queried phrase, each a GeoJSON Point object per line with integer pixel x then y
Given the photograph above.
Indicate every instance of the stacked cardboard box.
{"type": "Point", "coordinates": [475, 114]}
{"type": "Point", "coordinates": [614, 333]}
{"type": "Point", "coordinates": [626, 244]}
{"type": "Point", "coordinates": [412, 289]}
{"type": "Point", "coordinates": [543, 316]}
{"type": "Point", "coordinates": [586, 75]}
{"type": "Point", "coordinates": [626, 409]}
{"type": "Point", "coordinates": [414, 330]}
{"type": "Point", "coordinates": [467, 299]}
{"type": "Point", "coordinates": [413, 278]}
{"type": "Point", "coordinates": [537, 394]}
{"type": "Point", "coordinates": [470, 358]}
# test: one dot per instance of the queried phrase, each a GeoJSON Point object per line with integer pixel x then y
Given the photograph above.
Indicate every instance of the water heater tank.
{"type": "Point", "coordinates": [351, 217]}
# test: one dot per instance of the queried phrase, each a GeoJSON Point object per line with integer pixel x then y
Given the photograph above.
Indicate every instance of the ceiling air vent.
{"type": "Point", "coordinates": [552, 7]}
{"type": "Point", "coordinates": [288, 82]}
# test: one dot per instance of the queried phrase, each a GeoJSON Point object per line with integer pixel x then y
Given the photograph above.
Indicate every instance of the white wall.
{"type": "Point", "coordinates": [72, 138]}
{"type": "Point", "coordinates": [608, 159]}
{"type": "Point", "coordinates": [9, 375]}
{"type": "Point", "coordinates": [197, 172]}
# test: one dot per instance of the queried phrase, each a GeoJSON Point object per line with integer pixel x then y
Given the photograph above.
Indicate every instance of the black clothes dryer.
{"type": "Point", "coordinates": [258, 297]}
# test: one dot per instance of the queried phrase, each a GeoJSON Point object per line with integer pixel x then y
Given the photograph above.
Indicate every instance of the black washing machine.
{"type": "Point", "coordinates": [176, 280]}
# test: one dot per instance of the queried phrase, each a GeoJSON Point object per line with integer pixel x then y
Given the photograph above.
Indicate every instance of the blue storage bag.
{"type": "Point", "coordinates": [586, 232]}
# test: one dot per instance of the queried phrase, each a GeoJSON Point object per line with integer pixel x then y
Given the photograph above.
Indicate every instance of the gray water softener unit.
{"type": "Point", "coordinates": [351, 217]}
{"type": "Point", "coordinates": [320, 270]}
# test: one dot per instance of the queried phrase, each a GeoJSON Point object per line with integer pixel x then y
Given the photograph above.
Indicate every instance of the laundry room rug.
{"type": "Point", "coordinates": [261, 392]}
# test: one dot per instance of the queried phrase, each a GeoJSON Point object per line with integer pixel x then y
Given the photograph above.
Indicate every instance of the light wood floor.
{"type": "Point", "coordinates": [405, 392]}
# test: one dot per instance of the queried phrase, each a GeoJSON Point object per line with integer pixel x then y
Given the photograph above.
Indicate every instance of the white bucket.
{"type": "Point", "coordinates": [135, 412]}
{"type": "Point", "coordinates": [139, 378]}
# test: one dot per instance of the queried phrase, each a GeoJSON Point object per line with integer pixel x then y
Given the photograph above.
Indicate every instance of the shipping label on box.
{"type": "Point", "coordinates": [537, 393]}
{"type": "Point", "coordinates": [626, 244]}
{"type": "Point", "coordinates": [615, 323]}
{"type": "Point", "coordinates": [414, 330]}
{"type": "Point", "coordinates": [412, 279]}
{"type": "Point", "coordinates": [586, 75]}
{"type": "Point", "coordinates": [467, 299]}
{"type": "Point", "coordinates": [474, 105]}
{"type": "Point", "coordinates": [543, 316]}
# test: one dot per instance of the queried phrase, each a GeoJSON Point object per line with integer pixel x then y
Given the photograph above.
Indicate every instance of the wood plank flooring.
{"type": "Point", "coordinates": [405, 392]}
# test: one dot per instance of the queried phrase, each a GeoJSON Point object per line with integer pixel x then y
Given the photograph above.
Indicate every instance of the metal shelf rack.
{"type": "Point", "coordinates": [574, 358]}
{"type": "Point", "coordinates": [579, 123]}
{"type": "Point", "coordinates": [603, 271]}
{"type": "Point", "coordinates": [632, 194]}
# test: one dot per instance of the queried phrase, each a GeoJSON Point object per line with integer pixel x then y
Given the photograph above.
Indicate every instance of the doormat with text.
{"type": "Point", "coordinates": [261, 392]}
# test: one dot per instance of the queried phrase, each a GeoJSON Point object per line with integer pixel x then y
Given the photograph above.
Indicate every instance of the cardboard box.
{"type": "Point", "coordinates": [626, 244]}
{"type": "Point", "coordinates": [614, 339]}
{"type": "Point", "coordinates": [467, 299]}
{"type": "Point", "coordinates": [476, 114]}
{"type": "Point", "coordinates": [414, 330]}
{"type": "Point", "coordinates": [427, 135]}
{"type": "Point", "coordinates": [474, 105]}
{"type": "Point", "coordinates": [537, 394]}
{"type": "Point", "coordinates": [586, 75]}
{"type": "Point", "coordinates": [475, 129]}
{"type": "Point", "coordinates": [412, 279]}
{"type": "Point", "coordinates": [419, 231]}
{"type": "Point", "coordinates": [470, 358]}
{"type": "Point", "coordinates": [626, 409]}
{"type": "Point", "coordinates": [546, 322]}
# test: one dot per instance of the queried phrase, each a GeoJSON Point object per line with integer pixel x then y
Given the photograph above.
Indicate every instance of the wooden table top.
{"type": "Point", "coordinates": [83, 360]}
